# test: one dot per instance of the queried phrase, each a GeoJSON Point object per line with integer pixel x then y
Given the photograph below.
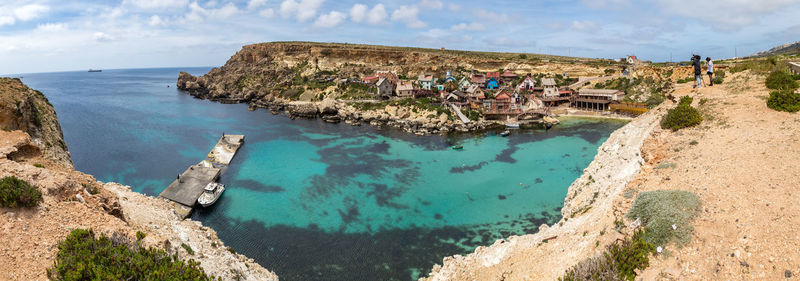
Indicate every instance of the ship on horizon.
{"type": "Point", "coordinates": [95, 70]}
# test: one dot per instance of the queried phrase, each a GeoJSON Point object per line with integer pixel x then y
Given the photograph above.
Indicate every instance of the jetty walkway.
{"type": "Point", "coordinates": [189, 185]}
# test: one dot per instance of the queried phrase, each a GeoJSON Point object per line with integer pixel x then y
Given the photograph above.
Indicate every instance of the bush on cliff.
{"type": "Point", "coordinates": [784, 101]}
{"type": "Point", "coordinates": [15, 193]}
{"type": "Point", "coordinates": [781, 80]}
{"type": "Point", "coordinates": [682, 116]}
{"type": "Point", "coordinates": [619, 262]}
{"type": "Point", "coordinates": [81, 256]}
{"type": "Point", "coordinates": [659, 210]}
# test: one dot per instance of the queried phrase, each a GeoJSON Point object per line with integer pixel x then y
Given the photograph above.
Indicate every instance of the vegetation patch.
{"type": "Point", "coordinates": [782, 81]}
{"type": "Point", "coordinates": [666, 214]}
{"type": "Point", "coordinates": [619, 262]}
{"type": "Point", "coordinates": [82, 256]}
{"type": "Point", "coordinates": [784, 101]}
{"type": "Point", "coordinates": [16, 193]}
{"type": "Point", "coordinates": [719, 77]}
{"type": "Point", "coordinates": [682, 116]}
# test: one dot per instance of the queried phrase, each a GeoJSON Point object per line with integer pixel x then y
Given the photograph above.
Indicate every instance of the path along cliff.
{"type": "Point", "coordinates": [742, 163]}
{"type": "Point", "coordinates": [72, 199]}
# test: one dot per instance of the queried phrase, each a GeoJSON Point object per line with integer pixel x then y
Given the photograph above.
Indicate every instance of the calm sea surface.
{"type": "Point", "coordinates": [317, 201]}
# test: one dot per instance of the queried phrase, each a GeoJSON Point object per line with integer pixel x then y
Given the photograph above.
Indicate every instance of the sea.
{"type": "Point", "coordinates": [311, 200]}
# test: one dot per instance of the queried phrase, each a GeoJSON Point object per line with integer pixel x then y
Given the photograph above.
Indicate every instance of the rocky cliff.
{"type": "Point", "coordinates": [28, 110]}
{"type": "Point", "coordinates": [72, 199]}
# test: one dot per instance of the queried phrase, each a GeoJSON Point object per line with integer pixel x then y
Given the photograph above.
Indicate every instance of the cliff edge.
{"type": "Point", "coordinates": [28, 110]}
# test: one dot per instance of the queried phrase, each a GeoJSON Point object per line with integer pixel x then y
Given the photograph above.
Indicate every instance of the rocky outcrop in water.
{"type": "Point", "coordinates": [28, 110]}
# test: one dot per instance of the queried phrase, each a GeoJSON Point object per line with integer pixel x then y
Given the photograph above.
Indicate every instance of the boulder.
{"type": "Point", "coordinates": [302, 109]}
{"type": "Point", "coordinates": [328, 107]}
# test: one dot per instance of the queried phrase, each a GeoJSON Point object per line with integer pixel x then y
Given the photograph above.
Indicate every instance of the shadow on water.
{"type": "Point", "coordinates": [310, 253]}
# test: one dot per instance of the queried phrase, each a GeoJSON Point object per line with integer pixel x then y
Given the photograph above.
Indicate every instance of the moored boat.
{"type": "Point", "coordinates": [457, 147]}
{"type": "Point", "coordinates": [211, 193]}
{"type": "Point", "coordinates": [512, 125]}
{"type": "Point", "coordinates": [505, 133]}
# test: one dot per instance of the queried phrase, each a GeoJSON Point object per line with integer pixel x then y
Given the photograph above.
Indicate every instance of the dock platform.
{"type": "Point", "coordinates": [189, 185]}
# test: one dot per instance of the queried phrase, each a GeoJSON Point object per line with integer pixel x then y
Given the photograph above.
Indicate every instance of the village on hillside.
{"type": "Point", "coordinates": [505, 95]}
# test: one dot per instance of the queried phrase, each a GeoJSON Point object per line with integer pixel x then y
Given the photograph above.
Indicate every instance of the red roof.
{"type": "Point", "coordinates": [565, 92]}
{"type": "Point", "coordinates": [509, 74]}
{"type": "Point", "coordinates": [493, 75]}
{"type": "Point", "coordinates": [502, 96]}
{"type": "Point", "coordinates": [370, 78]}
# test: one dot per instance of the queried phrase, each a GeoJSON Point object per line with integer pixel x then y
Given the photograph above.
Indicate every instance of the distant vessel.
{"type": "Point", "coordinates": [457, 147]}
{"type": "Point", "coordinates": [95, 70]}
{"type": "Point", "coordinates": [211, 193]}
{"type": "Point", "coordinates": [512, 125]}
{"type": "Point", "coordinates": [505, 133]}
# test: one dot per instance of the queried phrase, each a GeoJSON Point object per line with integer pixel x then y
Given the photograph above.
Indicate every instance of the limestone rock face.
{"type": "Point", "coordinates": [302, 109]}
{"type": "Point", "coordinates": [328, 107]}
{"type": "Point", "coordinates": [28, 110]}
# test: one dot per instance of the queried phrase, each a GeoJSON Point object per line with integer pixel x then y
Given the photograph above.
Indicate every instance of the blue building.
{"type": "Point", "coordinates": [492, 84]}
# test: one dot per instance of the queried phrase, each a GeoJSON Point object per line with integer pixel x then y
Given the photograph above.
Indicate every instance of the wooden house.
{"type": "Point", "coordinates": [449, 78]}
{"type": "Point", "coordinates": [385, 88]}
{"type": "Point", "coordinates": [492, 83]}
{"type": "Point", "coordinates": [456, 97]}
{"type": "Point", "coordinates": [426, 81]}
{"type": "Point", "coordinates": [508, 77]}
{"type": "Point", "coordinates": [550, 87]}
{"type": "Point", "coordinates": [464, 84]}
{"type": "Point", "coordinates": [479, 79]}
{"type": "Point", "coordinates": [597, 99]}
{"type": "Point", "coordinates": [405, 89]}
{"type": "Point", "coordinates": [528, 84]}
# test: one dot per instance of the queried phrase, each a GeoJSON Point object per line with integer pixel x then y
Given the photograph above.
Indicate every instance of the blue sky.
{"type": "Point", "coordinates": [57, 35]}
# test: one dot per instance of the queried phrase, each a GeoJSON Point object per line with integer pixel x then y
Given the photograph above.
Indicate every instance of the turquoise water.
{"type": "Point", "coordinates": [317, 201]}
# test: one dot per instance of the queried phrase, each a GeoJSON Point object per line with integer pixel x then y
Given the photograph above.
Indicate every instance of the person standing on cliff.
{"type": "Point", "coordinates": [697, 73]}
{"type": "Point", "coordinates": [710, 71]}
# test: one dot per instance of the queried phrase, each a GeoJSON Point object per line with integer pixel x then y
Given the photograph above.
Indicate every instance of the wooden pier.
{"type": "Point", "coordinates": [189, 185]}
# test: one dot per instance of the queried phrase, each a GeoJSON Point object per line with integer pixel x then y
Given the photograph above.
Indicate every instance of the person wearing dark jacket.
{"type": "Point", "coordinates": [697, 73]}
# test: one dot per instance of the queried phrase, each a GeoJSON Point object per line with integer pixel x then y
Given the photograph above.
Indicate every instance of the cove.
{"type": "Point", "coordinates": [311, 200]}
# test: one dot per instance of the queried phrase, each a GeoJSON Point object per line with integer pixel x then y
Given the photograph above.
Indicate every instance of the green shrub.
{"type": "Point", "coordinates": [682, 116]}
{"type": "Point", "coordinates": [719, 77]}
{"type": "Point", "coordinates": [140, 235]}
{"type": "Point", "coordinates": [15, 193]}
{"type": "Point", "coordinates": [659, 210]}
{"type": "Point", "coordinates": [619, 262]}
{"type": "Point", "coordinates": [187, 248]}
{"type": "Point", "coordinates": [81, 256]}
{"type": "Point", "coordinates": [781, 80]}
{"type": "Point", "coordinates": [784, 101]}
{"type": "Point", "coordinates": [38, 165]}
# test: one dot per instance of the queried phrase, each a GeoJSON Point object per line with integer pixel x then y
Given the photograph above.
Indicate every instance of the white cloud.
{"type": "Point", "coordinates": [454, 7]}
{"type": "Point", "coordinates": [156, 21]}
{"type": "Point", "coordinates": [585, 26]}
{"type": "Point", "coordinates": [7, 20]}
{"type": "Point", "coordinates": [267, 13]}
{"type": "Point", "coordinates": [329, 20]}
{"type": "Point", "coordinates": [431, 4]}
{"type": "Point", "coordinates": [255, 4]}
{"type": "Point", "coordinates": [493, 17]}
{"type": "Point", "coordinates": [302, 11]}
{"type": "Point", "coordinates": [409, 15]}
{"type": "Point", "coordinates": [31, 11]}
{"type": "Point", "coordinates": [358, 12]}
{"type": "Point", "coordinates": [197, 13]}
{"type": "Point", "coordinates": [102, 37]}
{"type": "Point", "coordinates": [51, 27]}
{"type": "Point", "coordinates": [727, 14]}
{"type": "Point", "coordinates": [157, 4]}
{"type": "Point", "coordinates": [468, 27]}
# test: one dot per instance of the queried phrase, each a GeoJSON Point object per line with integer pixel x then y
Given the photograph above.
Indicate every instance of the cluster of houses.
{"type": "Point", "coordinates": [493, 93]}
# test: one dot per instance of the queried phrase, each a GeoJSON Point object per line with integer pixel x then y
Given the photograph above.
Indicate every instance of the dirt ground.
{"type": "Point", "coordinates": [743, 163]}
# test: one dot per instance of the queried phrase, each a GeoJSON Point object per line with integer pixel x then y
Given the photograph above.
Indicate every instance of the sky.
{"type": "Point", "coordinates": [58, 35]}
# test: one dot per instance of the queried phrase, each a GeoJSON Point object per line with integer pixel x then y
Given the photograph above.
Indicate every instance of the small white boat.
{"type": "Point", "coordinates": [211, 193]}
{"type": "Point", "coordinates": [505, 133]}
{"type": "Point", "coordinates": [512, 125]}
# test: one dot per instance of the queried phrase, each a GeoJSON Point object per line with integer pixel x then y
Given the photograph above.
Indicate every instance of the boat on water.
{"type": "Point", "coordinates": [457, 147]}
{"type": "Point", "coordinates": [505, 133]}
{"type": "Point", "coordinates": [512, 125]}
{"type": "Point", "coordinates": [211, 193]}
{"type": "Point", "coordinates": [95, 70]}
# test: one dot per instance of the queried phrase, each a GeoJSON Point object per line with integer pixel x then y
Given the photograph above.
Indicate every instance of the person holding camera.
{"type": "Point", "coordinates": [697, 73]}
